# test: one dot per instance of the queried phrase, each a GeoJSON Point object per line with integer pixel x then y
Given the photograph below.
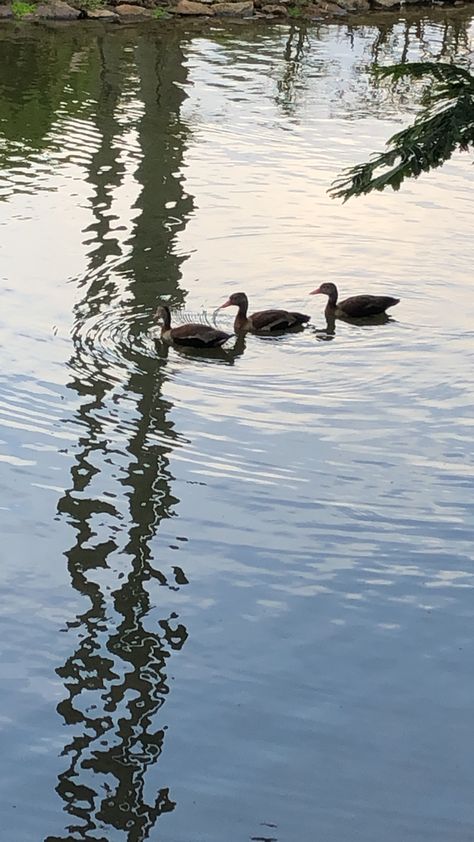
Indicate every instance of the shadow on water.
{"type": "Point", "coordinates": [226, 355]}
{"type": "Point", "coordinates": [327, 333]}
{"type": "Point", "coordinates": [117, 675]}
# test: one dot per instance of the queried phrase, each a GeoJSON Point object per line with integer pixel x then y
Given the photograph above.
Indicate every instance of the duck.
{"type": "Point", "coordinates": [190, 335]}
{"type": "Point", "coordinates": [356, 307]}
{"type": "Point", "coordinates": [264, 320]}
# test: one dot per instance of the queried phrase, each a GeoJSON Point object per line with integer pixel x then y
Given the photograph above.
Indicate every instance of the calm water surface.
{"type": "Point", "coordinates": [237, 591]}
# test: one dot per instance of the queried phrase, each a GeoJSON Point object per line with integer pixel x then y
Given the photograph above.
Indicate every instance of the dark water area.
{"type": "Point", "coordinates": [237, 589]}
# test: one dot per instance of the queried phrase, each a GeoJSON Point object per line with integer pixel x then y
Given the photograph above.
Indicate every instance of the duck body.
{"type": "Point", "coordinates": [190, 335]}
{"type": "Point", "coordinates": [263, 321]}
{"type": "Point", "coordinates": [357, 306]}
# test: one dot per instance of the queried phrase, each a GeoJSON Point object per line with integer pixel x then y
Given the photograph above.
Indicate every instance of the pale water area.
{"type": "Point", "coordinates": [237, 589]}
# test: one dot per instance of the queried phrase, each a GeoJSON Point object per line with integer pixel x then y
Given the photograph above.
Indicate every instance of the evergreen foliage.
{"type": "Point", "coordinates": [445, 123]}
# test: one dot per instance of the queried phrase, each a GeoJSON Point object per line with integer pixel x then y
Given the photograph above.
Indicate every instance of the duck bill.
{"type": "Point", "coordinates": [227, 304]}
{"type": "Point", "coordinates": [316, 292]}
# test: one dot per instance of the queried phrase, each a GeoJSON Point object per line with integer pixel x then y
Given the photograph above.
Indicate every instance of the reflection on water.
{"type": "Point", "coordinates": [117, 677]}
{"type": "Point", "coordinates": [294, 509]}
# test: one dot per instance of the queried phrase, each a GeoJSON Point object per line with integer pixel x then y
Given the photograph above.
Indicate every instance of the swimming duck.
{"type": "Point", "coordinates": [264, 320]}
{"type": "Point", "coordinates": [356, 307]}
{"type": "Point", "coordinates": [190, 335]}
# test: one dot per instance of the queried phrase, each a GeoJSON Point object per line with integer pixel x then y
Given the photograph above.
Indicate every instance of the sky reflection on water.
{"type": "Point", "coordinates": [270, 551]}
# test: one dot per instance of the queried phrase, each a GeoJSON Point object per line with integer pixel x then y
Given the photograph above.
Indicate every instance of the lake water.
{"type": "Point", "coordinates": [237, 590]}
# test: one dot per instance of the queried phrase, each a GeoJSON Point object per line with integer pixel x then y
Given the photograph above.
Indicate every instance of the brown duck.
{"type": "Point", "coordinates": [264, 321]}
{"type": "Point", "coordinates": [190, 335]}
{"type": "Point", "coordinates": [356, 307]}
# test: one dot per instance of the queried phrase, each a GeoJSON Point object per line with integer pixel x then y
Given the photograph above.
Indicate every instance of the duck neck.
{"type": "Point", "coordinates": [332, 298]}
{"type": "Point", "coordinates": [241, 317]}
{"type": "Point", "coordinates": [166, 319]}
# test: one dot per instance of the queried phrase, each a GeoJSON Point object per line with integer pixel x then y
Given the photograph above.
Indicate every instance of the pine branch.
{"type": "Point", "coordinates": [445, 123]}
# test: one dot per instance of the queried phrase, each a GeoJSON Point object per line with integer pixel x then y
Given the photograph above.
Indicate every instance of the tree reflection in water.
{"type": "Point", "coordinates": [373, 39]}
{"type": "Point", "coordinates": [116, 679]}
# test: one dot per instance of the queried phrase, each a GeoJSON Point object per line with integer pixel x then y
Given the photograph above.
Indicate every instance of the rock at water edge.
{"type": "Point", "coordinates": [354, 5]}
{"type": "Point", "coordinates": [102, 14]}
{"type": "Point", "coordinates": [240, 9]}
{"type": "Point", "coordinates": [129, 14]}
{"type": "Point", "coordinates": [56, 10]}
{"type": "Point", "coordinates": [190, 7]}
{"type": "Point", "coordinates": [275, 9]}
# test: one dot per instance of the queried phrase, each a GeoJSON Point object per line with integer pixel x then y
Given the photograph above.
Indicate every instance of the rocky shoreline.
{"type": "Point", "coordinates": [139, 11]}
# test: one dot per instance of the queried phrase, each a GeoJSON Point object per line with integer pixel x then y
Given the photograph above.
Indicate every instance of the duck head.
{"type": "Point", "coordinates": [163, 315]}
{"type": "Point", "coordinates": [237, 299]}
{"type": "Point", "coordinates": [328, 289]}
